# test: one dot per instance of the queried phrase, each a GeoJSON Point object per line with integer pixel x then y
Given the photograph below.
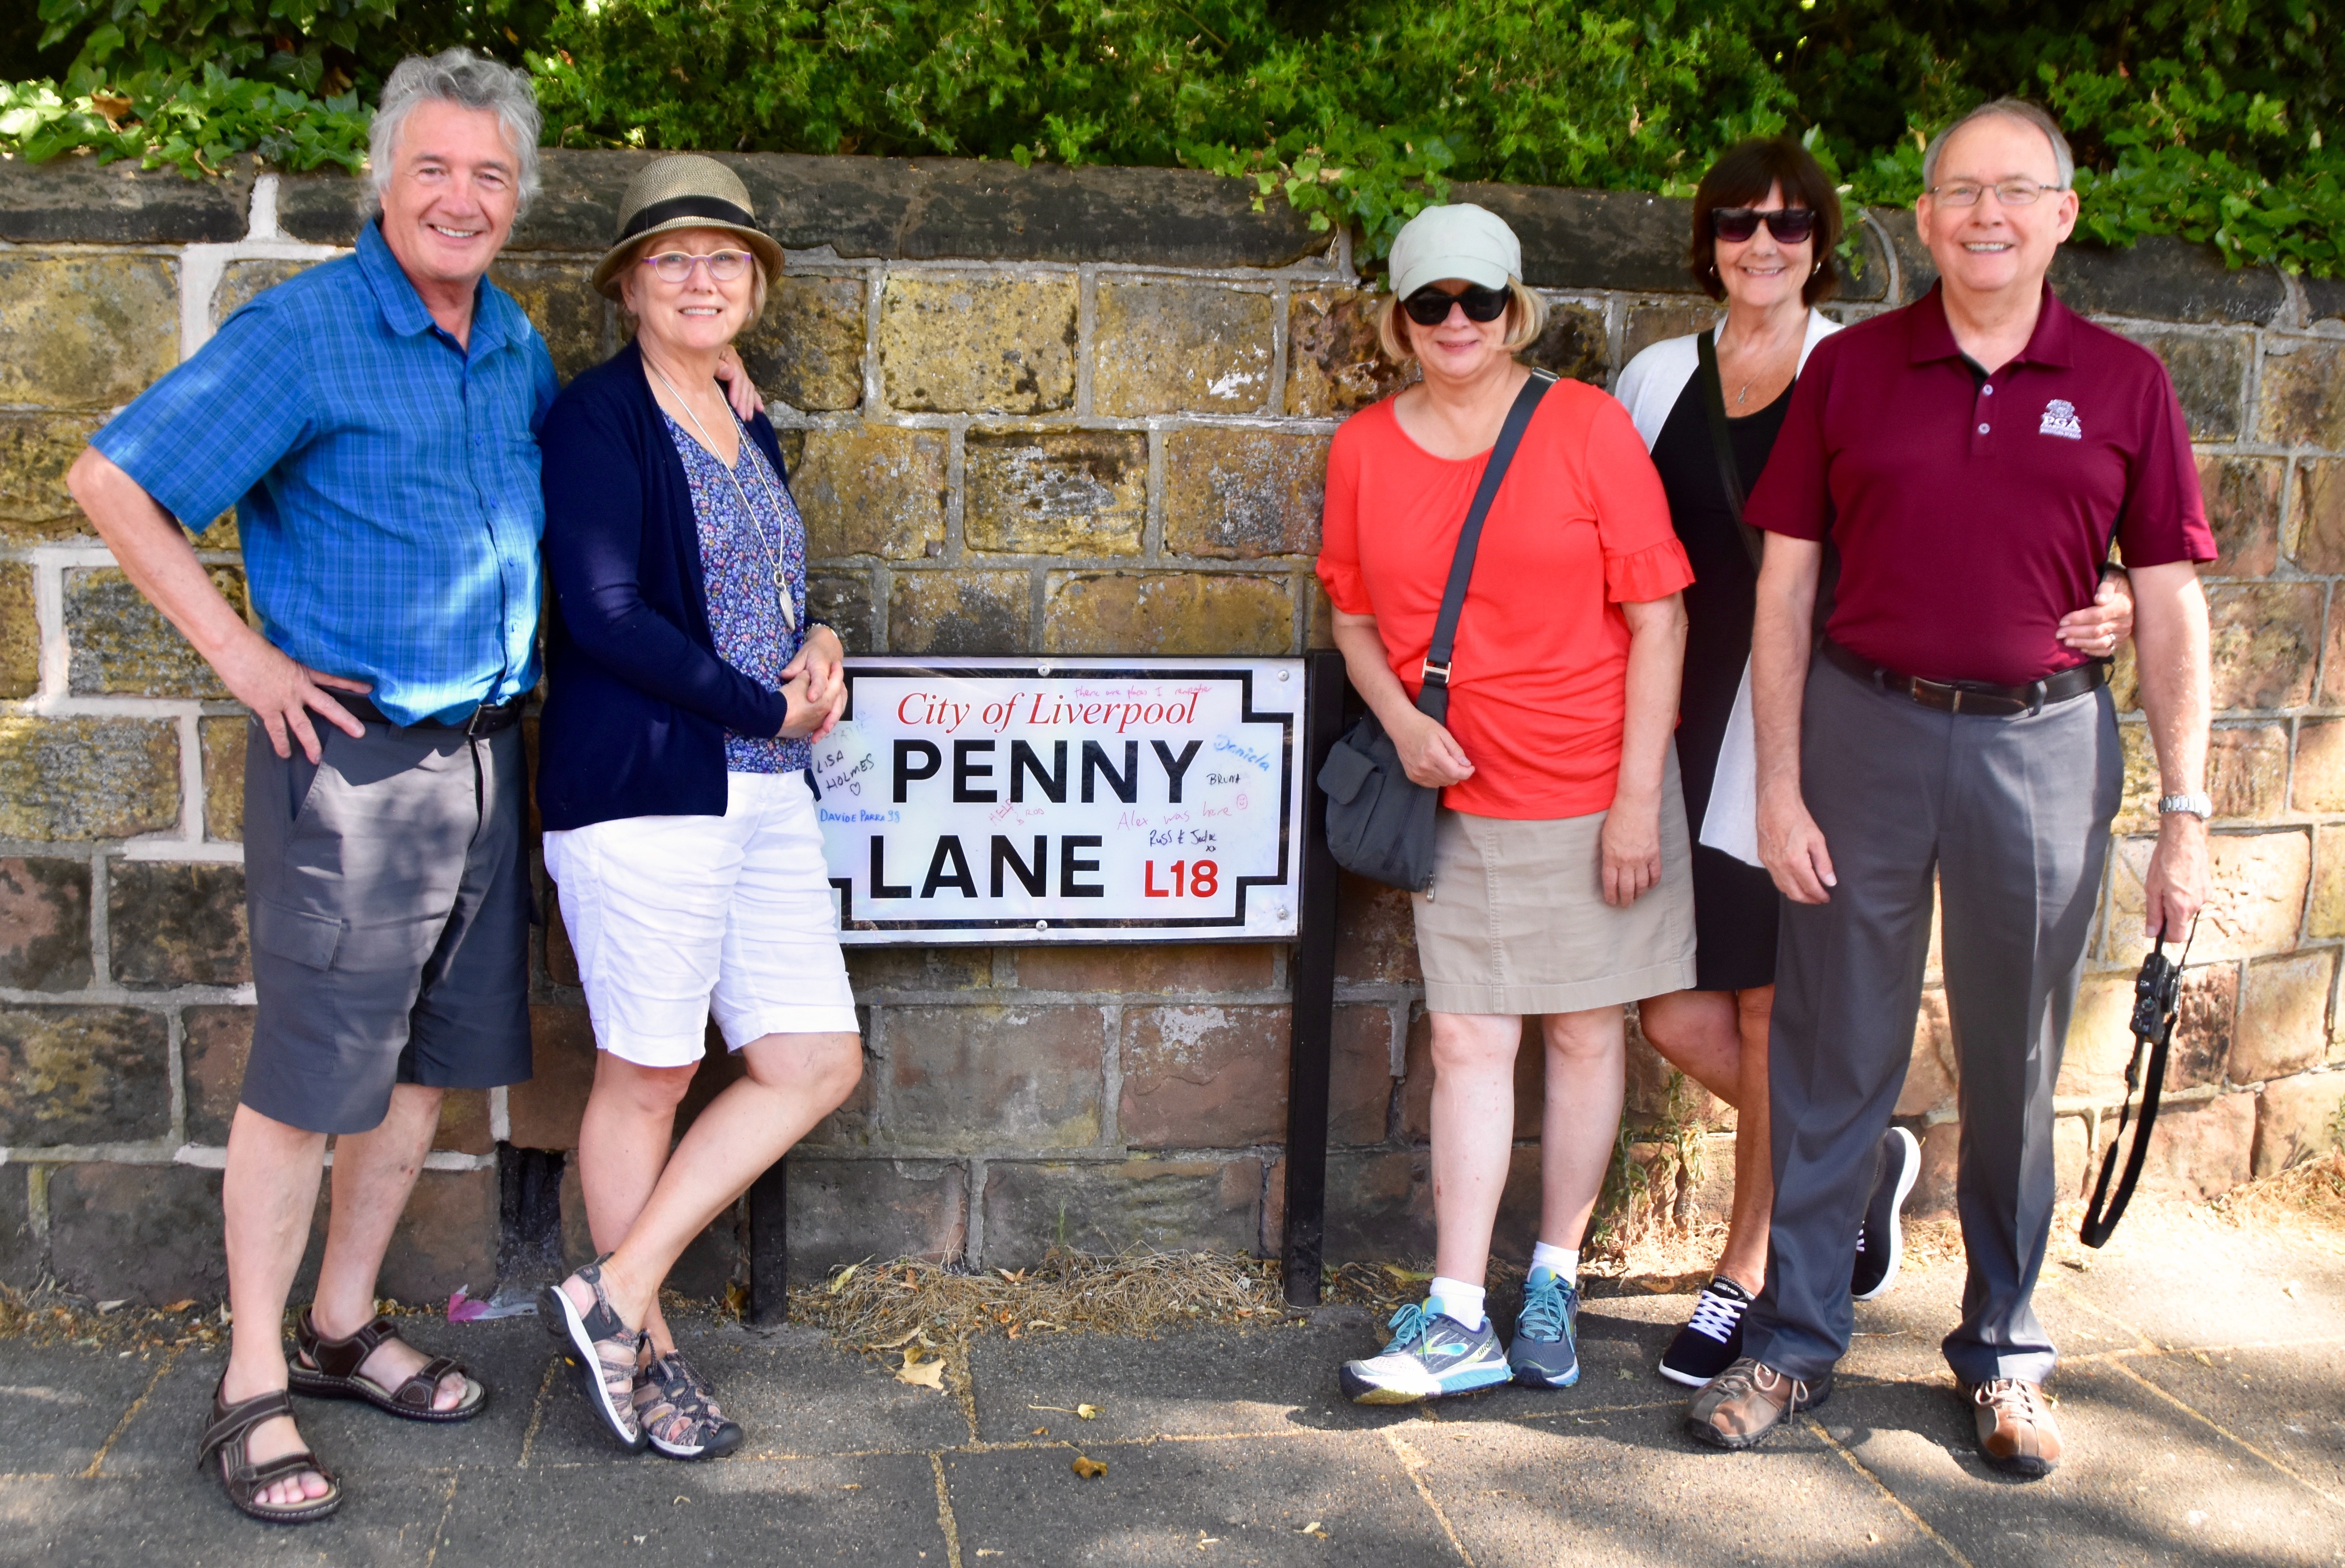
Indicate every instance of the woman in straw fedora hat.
{"type": "Point", "coordinates": [685, 683]}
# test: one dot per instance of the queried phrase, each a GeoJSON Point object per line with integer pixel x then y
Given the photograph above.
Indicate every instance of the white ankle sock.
{"type": "Point", "coordinates": [1564, 1265]}
{"type": "Point", "coordinates": [1459, 1303]}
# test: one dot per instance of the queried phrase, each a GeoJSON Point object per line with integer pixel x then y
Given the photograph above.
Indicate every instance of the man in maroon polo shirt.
{"type": "Point", "coordinates": [1972, 456]}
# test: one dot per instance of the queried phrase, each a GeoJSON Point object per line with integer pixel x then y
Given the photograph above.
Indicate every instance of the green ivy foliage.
{"type": "Point", "coordinates": [2208, 118]}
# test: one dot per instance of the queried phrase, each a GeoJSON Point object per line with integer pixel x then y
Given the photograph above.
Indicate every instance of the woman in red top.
{"type": "Point", "coordinates": [1561, 886]}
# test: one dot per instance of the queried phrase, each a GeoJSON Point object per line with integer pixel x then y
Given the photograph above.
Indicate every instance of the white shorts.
{"type": "Point", "coordinates": [673, 917]}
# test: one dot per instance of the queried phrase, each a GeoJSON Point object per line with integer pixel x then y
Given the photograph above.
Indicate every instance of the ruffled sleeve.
{"type": "Point", "coordinates": [1656, 571]}
{"type": "Point", "coordinates": [1339, 526]}
{"type": "Point", "coordinates": [1642, 558]}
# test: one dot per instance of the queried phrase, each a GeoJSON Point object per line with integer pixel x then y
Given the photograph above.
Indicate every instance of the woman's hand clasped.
{"type": "Point", "coordinates": [1429, 754]}
{"type": "Point", "coordinates": [814, 686]}
{"type": "Point", "coordinates": [2097, 629]}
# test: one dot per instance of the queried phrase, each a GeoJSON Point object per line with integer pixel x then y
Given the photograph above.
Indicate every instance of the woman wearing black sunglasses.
{"type": "Point", "coordinates": [1766, 219]}
{"type": "Point", "coordinates": [1559, 884]}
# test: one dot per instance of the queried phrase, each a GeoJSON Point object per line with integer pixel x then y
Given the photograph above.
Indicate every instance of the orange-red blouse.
{"type": "Point", "coordinates": [1580, 526]}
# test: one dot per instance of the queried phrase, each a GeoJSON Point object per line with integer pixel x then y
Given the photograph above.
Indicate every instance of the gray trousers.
{"type": "Point", "coordinates": [2012, 816]}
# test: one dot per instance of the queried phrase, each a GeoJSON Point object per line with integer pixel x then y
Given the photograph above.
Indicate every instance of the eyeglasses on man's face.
{"type": "Point", "coordinates": [2009, 192]}
{"type": "Point", "coordinates": [676, 266]}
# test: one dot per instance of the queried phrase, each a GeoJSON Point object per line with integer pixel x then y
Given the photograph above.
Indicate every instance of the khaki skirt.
{"type": "Point", "coordinates": [1516, 921]}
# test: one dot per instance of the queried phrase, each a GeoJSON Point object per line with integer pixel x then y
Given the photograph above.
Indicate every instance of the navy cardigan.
{"type": "Point", "coordinates": [639, 701]}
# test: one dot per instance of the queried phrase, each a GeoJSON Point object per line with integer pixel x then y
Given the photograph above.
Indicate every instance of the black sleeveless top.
{"type": "Point", "coordinates": [1735, 904]}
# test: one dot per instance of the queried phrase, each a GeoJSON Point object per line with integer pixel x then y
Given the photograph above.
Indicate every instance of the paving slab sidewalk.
{"type": "Point", "coordinates": [2203, 1398]}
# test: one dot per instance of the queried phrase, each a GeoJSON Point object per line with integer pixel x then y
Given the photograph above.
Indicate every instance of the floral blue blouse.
{"type": "Point", "coordinates": [736, 567]}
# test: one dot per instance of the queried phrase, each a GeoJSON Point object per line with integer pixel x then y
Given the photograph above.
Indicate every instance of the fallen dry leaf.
{"type": "Point", "coordinates": [1040, 1431]}
{"type": "Point", "coordinates": [1088, 1468]}
{"type": "Point", "coordinates": [1089, 1413]}
{"type": "Point", "coordinates": [180, 1306]}
{"type": "Point", "coordinates": [1313, 1528]}
{"type": "Point", "coordinates": [839, 1281]}
{"type": "Point", "coordinates": [921, 1374]}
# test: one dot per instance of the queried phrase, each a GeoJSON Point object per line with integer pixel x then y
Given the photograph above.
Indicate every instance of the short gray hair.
{"type": "Point", "coordinates": [2020, 109]}
{"type": "Point", "coordinates": [461, 77]}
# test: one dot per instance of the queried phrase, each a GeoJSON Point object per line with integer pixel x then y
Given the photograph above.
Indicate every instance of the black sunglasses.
{"type": "Point", "coordinates": [1788, 225]}
{"type": "Point", "coordinates": [1428, 307]}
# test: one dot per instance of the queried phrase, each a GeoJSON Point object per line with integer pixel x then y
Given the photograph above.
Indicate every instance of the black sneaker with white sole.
{"type": "Point", "coordinates": [1711, 1340]}
{"type": "Point", "coordinates": [1881, 1239]}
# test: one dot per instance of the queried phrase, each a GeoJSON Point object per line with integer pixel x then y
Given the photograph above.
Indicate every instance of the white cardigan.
{"type": "Point", "coordinates": [1651, 388]}
{"type": "Point", "coordinates": [1657, 377]}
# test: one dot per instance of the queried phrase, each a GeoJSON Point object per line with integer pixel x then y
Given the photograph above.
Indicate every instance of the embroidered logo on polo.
{"type": "Point", "coordinates": [2060, 419]}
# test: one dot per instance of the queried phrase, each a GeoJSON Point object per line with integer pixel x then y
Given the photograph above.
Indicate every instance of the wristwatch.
{"type": "Point", "coordinates": [2198, 805]}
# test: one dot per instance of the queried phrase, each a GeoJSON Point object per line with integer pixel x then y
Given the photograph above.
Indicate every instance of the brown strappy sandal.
{"type": "Point", "coordinates": [230, 1437]}
{"type": "Point", "coordinates": [331, 1372]}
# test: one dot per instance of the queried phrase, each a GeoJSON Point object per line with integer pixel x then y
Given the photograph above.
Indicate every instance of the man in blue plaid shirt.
{"type": "Point", "coordinates": [373, 420]}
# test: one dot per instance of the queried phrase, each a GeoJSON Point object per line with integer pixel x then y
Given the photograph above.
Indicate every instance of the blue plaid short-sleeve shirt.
{"type": "Point", "coordinates": [385, 478]}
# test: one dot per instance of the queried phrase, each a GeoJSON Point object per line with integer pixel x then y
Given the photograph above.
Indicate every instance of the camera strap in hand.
{"type": "Point", "coordinates": [1729, 477]}
{"type": "Point", "coordinates": [2158, 1001]}
{"type": "Point", "coordinates": [1433, 696]}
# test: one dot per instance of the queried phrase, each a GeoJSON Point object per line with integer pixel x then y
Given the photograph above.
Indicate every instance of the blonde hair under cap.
{"type": "Point", "coordinates": [685, 190]}
{"type": "Point", "coordinates": [1457, 241]}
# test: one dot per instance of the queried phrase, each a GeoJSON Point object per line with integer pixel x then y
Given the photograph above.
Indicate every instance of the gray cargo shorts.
{"type": "Point", "coordinates": [390, 909]}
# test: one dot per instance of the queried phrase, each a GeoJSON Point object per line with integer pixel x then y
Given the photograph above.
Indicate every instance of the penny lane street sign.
{"type": "Point", "coordinates": [999, 799]}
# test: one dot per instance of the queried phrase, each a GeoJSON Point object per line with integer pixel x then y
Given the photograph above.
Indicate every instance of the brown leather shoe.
{"type": "Point", "coordinates": [2016, 1428]}
{"type": "Point", "coordinates": [1737, 1408]}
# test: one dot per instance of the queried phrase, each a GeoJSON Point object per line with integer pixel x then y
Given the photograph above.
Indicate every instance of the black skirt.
{"type": "Point", "coordinates": [1736, 906]}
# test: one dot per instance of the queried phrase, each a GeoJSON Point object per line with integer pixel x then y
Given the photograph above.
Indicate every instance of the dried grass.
{"type": "Point", "coordinates": [880, 1306]}
{"type": "Point", "coordinates": [876, 1306]}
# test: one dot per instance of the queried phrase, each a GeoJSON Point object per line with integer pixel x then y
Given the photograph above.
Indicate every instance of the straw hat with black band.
{"type": "Point", "coordinates": [685, 190]}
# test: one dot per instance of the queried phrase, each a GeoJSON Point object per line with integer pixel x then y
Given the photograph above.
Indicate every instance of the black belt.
{"type": "Point", "coordinates": [488, 719]}
{"type": "Point", "coordinates": [1974, 696]}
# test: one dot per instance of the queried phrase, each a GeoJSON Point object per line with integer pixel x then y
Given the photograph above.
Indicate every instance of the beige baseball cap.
{"type": "Point", "coordinates": [682, 191]}
{"type": "Point", "coordinates": [1460, 240]}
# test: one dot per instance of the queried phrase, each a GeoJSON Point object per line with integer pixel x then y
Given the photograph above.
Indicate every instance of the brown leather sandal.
{"type": "Point", "coordinates": [230, 1437]}
{"type": "Point", "coordinates": [329, 1370]}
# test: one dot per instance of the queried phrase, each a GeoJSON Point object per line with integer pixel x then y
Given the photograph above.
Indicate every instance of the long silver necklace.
{"type": "Point", "coordinates": [773, 552]}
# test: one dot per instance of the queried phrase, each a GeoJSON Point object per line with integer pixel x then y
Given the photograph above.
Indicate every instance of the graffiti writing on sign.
{"type": "Point", "coordinates": [989, 800]}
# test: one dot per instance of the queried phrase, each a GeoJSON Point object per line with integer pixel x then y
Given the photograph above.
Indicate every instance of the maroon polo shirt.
{"type": "Point", "coordinates": [1971, 513]}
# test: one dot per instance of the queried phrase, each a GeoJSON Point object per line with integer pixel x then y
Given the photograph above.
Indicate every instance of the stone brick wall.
{"type": "Point", "coordinates": [1042, 411]}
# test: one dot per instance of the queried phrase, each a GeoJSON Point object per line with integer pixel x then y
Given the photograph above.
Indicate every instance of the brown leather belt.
{"type": "Point", "coordinates": [1979, 697]}
{"type": "Point", "coordinates": [487, 719]}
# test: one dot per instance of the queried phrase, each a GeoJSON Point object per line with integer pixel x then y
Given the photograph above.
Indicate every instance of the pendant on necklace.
{"type": "Point", "coordinates": [782, 598]}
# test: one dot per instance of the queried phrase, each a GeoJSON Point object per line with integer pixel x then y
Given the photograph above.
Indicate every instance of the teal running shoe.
{"type": "Point", "coordinates": [1429, 1356]}
{"type": "Point", "coordinates": [1546, 1352]}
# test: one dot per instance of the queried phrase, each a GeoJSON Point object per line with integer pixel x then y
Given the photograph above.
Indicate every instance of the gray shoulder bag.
{"type": "Point", "coordinates": [1379, 821]}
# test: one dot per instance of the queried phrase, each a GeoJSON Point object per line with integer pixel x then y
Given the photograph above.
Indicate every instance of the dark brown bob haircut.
{"type": "Point", "coordinates": [1739, 179]}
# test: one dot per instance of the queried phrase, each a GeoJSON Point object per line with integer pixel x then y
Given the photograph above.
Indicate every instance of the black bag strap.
{"type": "Point", "coordinates": [2153, 1030]}
{"type": "Point", "coordinates": [1433, 696]}
{"type": "Point", "coordinates": [1713, 398]}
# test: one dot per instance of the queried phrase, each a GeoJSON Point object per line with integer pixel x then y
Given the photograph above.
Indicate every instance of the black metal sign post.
{"type": "Point", "coordinates": [1313, 974]}
{"type": "Point", "coordinates": [769, 1262]}
{"type": "Point", "coordinates": [1311, 1043]}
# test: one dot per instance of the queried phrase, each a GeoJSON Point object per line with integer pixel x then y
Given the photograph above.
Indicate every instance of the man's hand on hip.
{"type": "Point", "coordinates": [2175, 888]}
{"type": "Point", "coordinates": [282, 694]}
{"type": "Point", "coordinates": [1792, 847]}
